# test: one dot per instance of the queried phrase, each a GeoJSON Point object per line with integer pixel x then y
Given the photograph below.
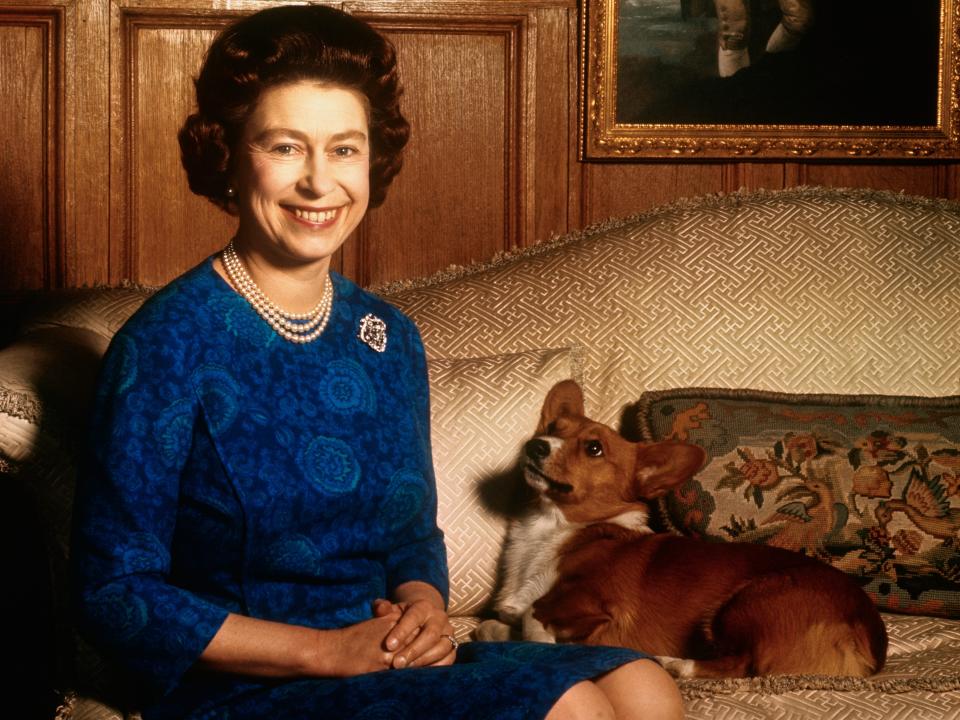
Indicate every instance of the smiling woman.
{"type": "Point", "coordinates": [255, 532]}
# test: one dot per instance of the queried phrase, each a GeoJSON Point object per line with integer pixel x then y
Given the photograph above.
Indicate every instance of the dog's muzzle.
{"type": "Point", "coordinates": [538, 450]}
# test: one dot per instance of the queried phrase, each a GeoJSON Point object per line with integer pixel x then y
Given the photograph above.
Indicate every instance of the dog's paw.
{"type": "Point", "coordinates": [540, 636]}
{"type": "Point", "coordinates": [492, 631]}
{"type": "Point", "coordinates": [534, 630]}
{"type": "Point", "coordinates": [678, 667]}
{"type": "Point", "coordinates": [510, 613]}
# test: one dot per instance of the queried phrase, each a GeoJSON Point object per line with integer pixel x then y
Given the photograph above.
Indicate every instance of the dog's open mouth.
{"type": "Point", "coordinates": [552, 484]}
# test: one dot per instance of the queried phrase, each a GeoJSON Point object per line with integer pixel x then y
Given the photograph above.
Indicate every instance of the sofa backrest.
{"type": "Point", "coordinates": [800, 290]}
{"type": "Point", "coordinates": [807, 290]}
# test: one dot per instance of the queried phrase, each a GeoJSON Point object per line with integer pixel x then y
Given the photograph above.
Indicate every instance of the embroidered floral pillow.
{"type": "Point", "coordinates": [868, 484]}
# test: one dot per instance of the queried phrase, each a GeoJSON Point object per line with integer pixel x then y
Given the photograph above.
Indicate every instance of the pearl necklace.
{"type": "Point", "coordinates": [295, 327]}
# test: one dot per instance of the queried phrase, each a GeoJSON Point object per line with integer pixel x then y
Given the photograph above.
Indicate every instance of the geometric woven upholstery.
{"type": "Point", "coordinates": [99, 310]}
{"type": "Point", "coordinates": [800, 290]}
{"type": "Point", "coordinates": [918, 681]}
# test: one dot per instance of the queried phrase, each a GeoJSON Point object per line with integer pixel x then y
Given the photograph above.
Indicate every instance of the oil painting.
{"type": "Point", "coordinates": [769, 78]}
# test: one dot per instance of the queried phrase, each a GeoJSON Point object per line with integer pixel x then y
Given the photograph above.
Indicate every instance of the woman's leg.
{"type": "Point", "coordinates": [642, 689]}
{"type": "Point", "coordinates": [584, 701]}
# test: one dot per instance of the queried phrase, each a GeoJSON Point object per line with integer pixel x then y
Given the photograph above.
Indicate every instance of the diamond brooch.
{"type": "Point", "coordinates": [373, 331]}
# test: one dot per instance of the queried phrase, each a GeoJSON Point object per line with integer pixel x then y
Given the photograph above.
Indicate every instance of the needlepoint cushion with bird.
{"type": "Point", "coordinates": [870, 484]}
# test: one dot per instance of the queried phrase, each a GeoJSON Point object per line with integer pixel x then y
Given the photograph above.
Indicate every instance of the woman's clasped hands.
{"type": "Point", "coordinates": [422, 635]}
{"type": "Point", "coordinates": [410, 631]}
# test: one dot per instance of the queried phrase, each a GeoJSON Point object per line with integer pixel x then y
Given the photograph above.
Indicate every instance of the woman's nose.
{"type": "Point", "coordinates": [318, 176]}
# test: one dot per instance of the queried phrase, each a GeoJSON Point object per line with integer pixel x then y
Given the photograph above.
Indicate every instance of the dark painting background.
{"type": "Point", "coordinates": [862, 63]}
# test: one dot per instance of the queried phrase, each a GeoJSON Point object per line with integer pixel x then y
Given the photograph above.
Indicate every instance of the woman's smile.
{"type": "Point", "coordinates": [313, 218]}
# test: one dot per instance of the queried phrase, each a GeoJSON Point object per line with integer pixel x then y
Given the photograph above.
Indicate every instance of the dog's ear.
{"type": "Point", "coordinates": [564, 398]}
{"type": "Point", "coordinates": [663, 466]}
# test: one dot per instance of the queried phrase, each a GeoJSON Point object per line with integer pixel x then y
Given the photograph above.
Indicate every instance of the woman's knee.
{"type": "Point", "coordinates": [642, 689]}
{"type": "Point", "coordinates": [583, 701]}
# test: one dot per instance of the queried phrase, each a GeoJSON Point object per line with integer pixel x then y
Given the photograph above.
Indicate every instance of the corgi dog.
{"type": "Point", "coordinates": [584, 566]}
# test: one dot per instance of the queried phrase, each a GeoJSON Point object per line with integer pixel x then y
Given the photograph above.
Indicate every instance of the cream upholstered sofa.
{"type": "Point", "coordinates": [806, 290]}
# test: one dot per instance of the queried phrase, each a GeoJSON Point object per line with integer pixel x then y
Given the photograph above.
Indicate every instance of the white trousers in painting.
{"type": "Point", "coordinates": [734, 31]}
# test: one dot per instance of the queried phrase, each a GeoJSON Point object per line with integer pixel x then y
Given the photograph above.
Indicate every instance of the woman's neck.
{"type": "Point", "coordinates": [295, 288]}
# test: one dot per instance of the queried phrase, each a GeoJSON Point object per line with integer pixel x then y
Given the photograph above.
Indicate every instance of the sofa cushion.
{"type": "Point", "coordinates": [870, 484]}
{"type": "Point", "coordinates": [99, 310]}
{"type": "Point", "coordinates": [482, 411]}
{"type": "Point", "coordinates": [46, 384]}
{"type": "Point", "coordinates": [921, 679]}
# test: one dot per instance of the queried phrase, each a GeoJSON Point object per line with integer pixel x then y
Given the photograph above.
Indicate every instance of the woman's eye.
{"type": "Point", "coordinates": [284, 149]}
{"type": "Point", "coordinates": [345, 151]}
{"type": "Point", "coordinates": [593, 448]}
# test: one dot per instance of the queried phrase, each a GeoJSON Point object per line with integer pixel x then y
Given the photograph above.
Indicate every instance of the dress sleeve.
{"type": "Point", "coordinates": [124, 517]}
{"type": "Point", "coordinates": [422, 555]}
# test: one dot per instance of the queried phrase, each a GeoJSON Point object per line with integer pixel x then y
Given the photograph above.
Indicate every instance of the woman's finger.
{"type": "Point", "coordinates": [431, 645]}
{"type": "Point", "coordinates": [442, 651]}
{"type": "Point", "coordinates": [382, 608]}
{"type": "Point", "coordinates": [407, 628]}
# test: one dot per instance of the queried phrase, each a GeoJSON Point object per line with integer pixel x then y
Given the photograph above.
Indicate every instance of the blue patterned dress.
{"type": "Point", "coordinates": [233, 471]}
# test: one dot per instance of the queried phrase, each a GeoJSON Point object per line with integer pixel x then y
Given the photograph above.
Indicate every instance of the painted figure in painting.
{"type": "Point", "coordinates": [733, 31]}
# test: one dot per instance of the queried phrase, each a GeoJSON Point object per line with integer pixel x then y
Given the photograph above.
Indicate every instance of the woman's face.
{"type": "Point", "coordinates": [302, 172]}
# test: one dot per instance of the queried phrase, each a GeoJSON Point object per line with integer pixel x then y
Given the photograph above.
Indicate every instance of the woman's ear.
{"type": "Point", "coordinates": [663, 466]}
{"type": "Point", "coordinates": [564, 398]}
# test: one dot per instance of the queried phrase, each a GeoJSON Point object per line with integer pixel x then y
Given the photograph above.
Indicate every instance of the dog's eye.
{"type": "Point", "coordinates": [593, 448]}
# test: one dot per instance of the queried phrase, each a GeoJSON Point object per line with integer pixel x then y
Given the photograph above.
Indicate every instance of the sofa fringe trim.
{"type": "Point", "coordinates": [779, 684]}
{"type": "Point", "coordinates": [714, 201]}
{"type": "Point", "coordinates": [66, 708]}
{"type": "Point", "coordinates": [21, 405]}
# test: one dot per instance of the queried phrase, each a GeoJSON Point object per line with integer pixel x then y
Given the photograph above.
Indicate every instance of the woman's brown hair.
{"type": "Point", "coordinates": [281, 45]}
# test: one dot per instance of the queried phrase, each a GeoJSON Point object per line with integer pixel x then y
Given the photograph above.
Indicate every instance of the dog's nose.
{"type": "Point", "coordinates": [537, 449]}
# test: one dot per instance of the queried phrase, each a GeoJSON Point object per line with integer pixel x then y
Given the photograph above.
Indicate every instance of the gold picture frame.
{"type": "Point", "coordinates": [899, 112]}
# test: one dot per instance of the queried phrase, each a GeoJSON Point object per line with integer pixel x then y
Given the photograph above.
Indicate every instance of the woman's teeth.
{"type": "Point", "coordinates": [314, 216]}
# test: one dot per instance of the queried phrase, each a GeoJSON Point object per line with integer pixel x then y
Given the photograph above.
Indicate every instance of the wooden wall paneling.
{"type": "Point", "coordinates": [31, 161]}
{"type": "Point", "coordinates": [794, 174]}
{"type": "Point", "coordinates": [576, 181]}
{"type": "Point", "coordinates": [158, 227]}
{"type": "Point", "coordinates": [552, 107]}
{"type": "Point", "coordinates": [751, 175]}
{"type": "Point", "coordinates": [617, 189]}
{"type": "Point", "coordinates": [923, 178]}
{"type": "Point", "coordinates": [86, 234]}
{"type": "Point", "coordinates": [948, 175]}
{"type": "Point", "coordinates": [460, 195]}
{"type": "Point", "coordinates": [620, 189]}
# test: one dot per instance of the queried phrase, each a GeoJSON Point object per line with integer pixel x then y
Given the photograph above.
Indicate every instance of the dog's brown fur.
{"type": "Point", "coordinates": [714, 609]}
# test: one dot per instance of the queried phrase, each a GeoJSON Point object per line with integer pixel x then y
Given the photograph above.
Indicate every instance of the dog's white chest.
{"type": "Point", "coordinates": [530, 560]}
{"type": "Point", "coordinates": [531, 556]}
